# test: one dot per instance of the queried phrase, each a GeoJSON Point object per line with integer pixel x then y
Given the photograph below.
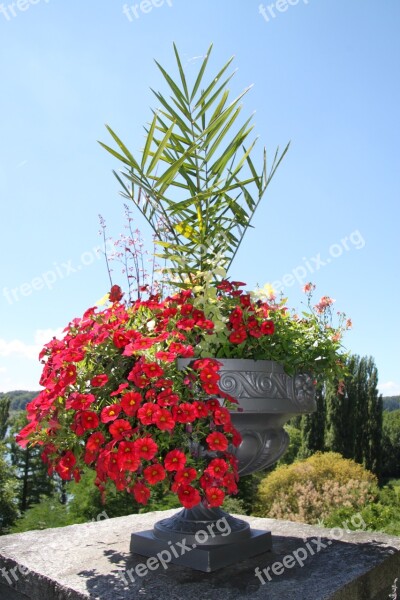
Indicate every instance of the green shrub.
{"type": "Point", "coordinates": [311, 490]}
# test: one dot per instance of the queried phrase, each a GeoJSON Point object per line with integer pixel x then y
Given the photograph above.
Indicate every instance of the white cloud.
{"type": "Point", "coordinates": [390, 388]}
{"type": "Point", "coordinates": [30, 351]}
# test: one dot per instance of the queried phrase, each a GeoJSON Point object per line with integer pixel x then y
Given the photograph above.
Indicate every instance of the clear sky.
{"type": "Point", "coordinates": [326, 77]}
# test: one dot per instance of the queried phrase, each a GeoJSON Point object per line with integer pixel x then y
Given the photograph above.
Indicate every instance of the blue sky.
{"type": "Point", "coordinates": [325, 76]}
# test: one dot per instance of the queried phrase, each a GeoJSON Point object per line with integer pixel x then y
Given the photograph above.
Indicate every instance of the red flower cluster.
{"type": "Point", "coordinates": [248, 318]}
{"type": "Point", "coordinates": [113, 385]}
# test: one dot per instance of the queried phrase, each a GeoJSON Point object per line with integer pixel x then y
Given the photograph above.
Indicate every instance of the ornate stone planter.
{"type": "Point", "coordinates": [208, 539]}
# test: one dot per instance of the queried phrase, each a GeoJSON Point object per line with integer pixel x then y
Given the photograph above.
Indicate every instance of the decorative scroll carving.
{"type": "Point", "coordinates": [252, 384]}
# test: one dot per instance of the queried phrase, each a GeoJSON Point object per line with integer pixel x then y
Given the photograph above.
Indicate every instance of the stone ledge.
{"type": "Point", "coordinates": [92, 561]}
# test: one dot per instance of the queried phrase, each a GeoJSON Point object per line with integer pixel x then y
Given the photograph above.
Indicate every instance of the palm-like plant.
{"type": "Point", "coordinates": [196, 183]}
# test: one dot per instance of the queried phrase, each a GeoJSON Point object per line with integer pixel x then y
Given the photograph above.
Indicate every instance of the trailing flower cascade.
{"type": "Point", "coordinates": [116, 400]}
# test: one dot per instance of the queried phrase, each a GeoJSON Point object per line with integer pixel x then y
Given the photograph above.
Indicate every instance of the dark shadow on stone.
{"type": "Point", "coordinates": [327, 565]}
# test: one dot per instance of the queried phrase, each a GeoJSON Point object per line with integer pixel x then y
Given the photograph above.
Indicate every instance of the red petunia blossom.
{"type": "Point", "coordinates": [186, 309]}
{"type": "Point", "coordinates": [83, 421]}
{"type": "Point", "coordinates": [154, 473]}
{"type": "Point", "coordinates": [120, 388]}
{"type": "Point", "coordinates": [236, 317]}
{"type": "Point", "coordinates": [138, 378]}
{"type": "Point", "coordinates": [201, 409]}
{"type": "Point", "coordinates": [94, 441]}
{"type": "Point", "coordinates": [146, 448]}
{"type": "Point", "coordinates": [238, 335]}
{"type": "Point", "coordinates": [146, 413]}
{"type": "Point", "coordinates": [115, 294]}
{"type": "Point", "coordinates": [163, 420]}
{"type": "Point", "coordinates": [22, 437]}
{"type": "Point", "coordinates": [217, 468]}
{"type": "Point", "coordinates": [120, 428]}
{"type": "Point", "coordinates": [215, 496]}
{"type": "Point", "coordinates": [267, 327]}
{"type": "Point", "coordinates": [188, 496]}
{"type": "Point", "coordinates": [127, 458]}
{"type": "Point", "coordinates": [222, 416]}
{"type": "Point", "coordinates": [185, 475]}
{"type": "Point", "coordinates": [130, 403]}
{"type": "Point", "coordinates": [184, 412]}
{"type": "Point", "coordinates": [174, 460]}
{"type": "Point", "coordinates": [217, 441]}
{"type": "Point", "coordinates": [141, 493]}
{"type": "Point", "coordinates": [99, 380]}
{"type": "Point", "coordinates": [79, 401]}
{"type": "Point", "coordinates": [120, 338]}
{"type": "Point", "coordinates": [110, 413]}
{"type": "Point", "coordinates": [230, 483]}
{"type": "Point", "coordinates": [210, 387]}
{"type": "Point", "coordinates": [209, 375]}
{"type": "Point", "coordinates": [167, 398]}
{"type": "Point", "coordinates": [152, 370]}
{"type": "Point", "coordinates": [207, 363]}
{"type": "Point", "coordinates": [65, 465]}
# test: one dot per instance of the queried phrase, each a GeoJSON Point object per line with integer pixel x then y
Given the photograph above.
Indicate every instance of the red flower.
{"type": "Point", "coordinates": [167, 398]}
{"type": "Point", "coordinates": [146, 448]}
{"type": "Point", "coordinates": [65, 465]}
{"type": "Point", "coordinates": [222, 416]}
{"type": "Point", "coordinates": [83, 421]}
{"type": "Point", "coordinates": [141, 493]}
{"type": "Point", "coordinates": [236, 317]}
{"type": "Point", "coordinates": [147, 412]}
{"type": "Point", "coordinates": [130, 403]}
{"type": "Point", "coordinates": [119, 429]}
{"type": "Point", "coordinates": [238, 335]}
{"type": "Point", "coordinates": [217, 468]}
{"type": "Point", "coordinates": [184, 412]}
{"type": "Point", "coordinates": [185, 475]}
{"type": "Point", "coordinates": [188, 496]}
{"type": "Point", "coordinates": [215, 496]}
{"type": "Point", "coordinates": [175, 460]}
{"type": "Point", "coordinates": [110, 413]}
{"type": "Point", "coordinates": [201, 409]}
{"type": "Point", "coordinates": [122, 386]}
{"type": "Point", "coordinates": [94, 441]}
{"type": "Point", "coordinates": [115, 294]}
{"type": "Point", "coordinates": [163, 420]}
{"type": "Point", "coordinates": [120, 338]}
{"type": "Point", "coordinates": [217, 441]}
{"type": "Point", "coordinates": [79, 401]}
{"type": "Point", "coordinates": [99, 380]}
{"type": "Point", "coordinates": [154, 473]}
{"type": "Point", "coordinates": [210, 388]}
{"type": "Point", "coordinates": [126, 457]}
{"type": "Point", "coordinates": [152, 370]}
{"type": "Point", "coordinates": [209, 375]}
{"type": "Point", "coordinates": [267, 327]}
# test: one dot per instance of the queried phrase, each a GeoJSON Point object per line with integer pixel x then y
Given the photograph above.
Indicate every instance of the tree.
{"type": "Point", "coordinates": [354, 419]}
{"type": "Point", "coordinates": [8, 493]}
{"type": "Point", "coordinates": [391, 444]}
{"type": "Point", "coordinates": [4, 414]}
{"type": "Point", "coordinates": [33, 481]}
{"type": "Point", "coordinates": [312, 427]}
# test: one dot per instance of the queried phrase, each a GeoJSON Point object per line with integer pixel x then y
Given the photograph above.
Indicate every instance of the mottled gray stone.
{"type": "Point", "coordinates": [91, 561]}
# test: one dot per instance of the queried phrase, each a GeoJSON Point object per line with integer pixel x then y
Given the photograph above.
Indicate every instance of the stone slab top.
{"type": "Point", "coordinates": [92, 560]}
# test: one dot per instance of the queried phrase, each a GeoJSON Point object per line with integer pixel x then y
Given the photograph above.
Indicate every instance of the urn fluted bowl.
{"type": "Point", "coordinates": [267, 398]}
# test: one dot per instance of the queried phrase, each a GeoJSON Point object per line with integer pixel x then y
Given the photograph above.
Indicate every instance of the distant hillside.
{"type": "Point", "coordinates": [391, 403]}
{"type": "Point", "coordinates": [19, 399]}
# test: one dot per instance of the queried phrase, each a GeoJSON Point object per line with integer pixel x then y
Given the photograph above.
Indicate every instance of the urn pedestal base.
{"type": "Point", "coordinates": [201, 557]}
{"type": "Point", "coordinates": [205, 539]}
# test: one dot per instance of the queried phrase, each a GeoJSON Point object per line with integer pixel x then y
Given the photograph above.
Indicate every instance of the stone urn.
{"type": "Point", "coordinates": [207, 539]}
